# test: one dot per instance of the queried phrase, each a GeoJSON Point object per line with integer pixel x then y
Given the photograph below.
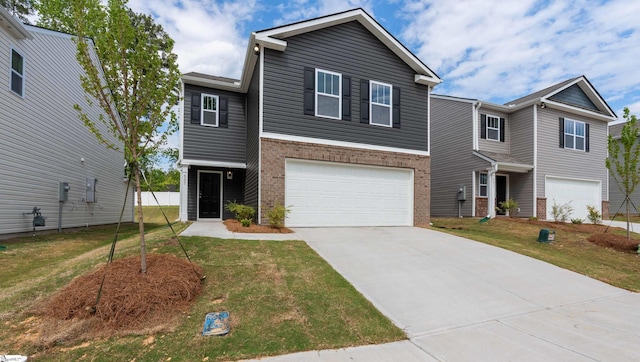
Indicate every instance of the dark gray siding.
{"type": "Point", "coordinates": [253, 141]}
{"type": "Point", "coordinates": [521, 145]}
{"type": "Point", "coordinates": [232, 190]}
{"type": "Point", "coordinates": [215, 143]}
{"type": "Point", "coordinates": [574, 95]}
{"type": "Point", "coordinates": [351, 50]}
{"type": "Point", "coordinates": [452, 160]}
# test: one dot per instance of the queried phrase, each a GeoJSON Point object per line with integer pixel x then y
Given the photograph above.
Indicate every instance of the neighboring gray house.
{"type": "Point", "coordinates": [548, 147]}
{"type": "Point", "coordinates": [330, 117]}
{"type": "Point", "coordinates": [44, 143]}
{"type": "Point", "coordinates": [616, 195]}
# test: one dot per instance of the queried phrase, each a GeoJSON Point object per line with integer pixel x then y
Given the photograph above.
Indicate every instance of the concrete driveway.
{"type": "Point", "coordinates": [460, 300]}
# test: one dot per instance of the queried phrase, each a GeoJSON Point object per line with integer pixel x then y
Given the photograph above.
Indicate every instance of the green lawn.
{"type": "Point", "coordinates": [282, 298]}
{"type": "Point", "coordinates": [571, 250]}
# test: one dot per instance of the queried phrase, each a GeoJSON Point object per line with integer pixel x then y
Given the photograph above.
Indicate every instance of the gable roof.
{"type": "Point", "coordinates": [13, 26]}
{"type": "Point", "coordinates": [552, 97]}
{"type": "Point", "coordinates": [275, 38]}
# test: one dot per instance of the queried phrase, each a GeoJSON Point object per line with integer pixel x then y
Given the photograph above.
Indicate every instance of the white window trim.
{"type": "Point", "coordinates": [11, 71]}
{"type": "Point", "coordinates": [480, 184]}
{"type": "Point", "coordinates": [575, 136]}
{"type": "Point", "coordinates": [339, 96]}
{"type": "Point", "coordinates": [371, 103]}
{"type": "Point", "coordinates": [202, 110]}
{"type": "Point", "coordinates": [493, 128]}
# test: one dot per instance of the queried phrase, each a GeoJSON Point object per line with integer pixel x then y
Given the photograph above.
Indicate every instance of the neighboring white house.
{"type": "Point", "coordinates": [43, 143]}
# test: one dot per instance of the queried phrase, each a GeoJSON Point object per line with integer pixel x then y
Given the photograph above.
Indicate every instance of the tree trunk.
{"type": "Point", "coordinates": [143, 247]}
{"type": "Point", "coordinates": [627, 200]}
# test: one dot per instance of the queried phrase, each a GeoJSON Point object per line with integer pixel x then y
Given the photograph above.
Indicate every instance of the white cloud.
{"type": "Point", "coordinates": [209, 35]}
{"type": "Point", "coordinates": [499, 51]}
{"type": "Point", "coordinates": [297, 10]}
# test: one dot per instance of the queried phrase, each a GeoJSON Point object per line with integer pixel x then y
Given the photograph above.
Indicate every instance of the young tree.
{"type": "Point", "coordinates": [19, 8]}
{"type": "Point", "coordinates": [624, 160]}
{"type": "Point", "coordinates": [135, 79]}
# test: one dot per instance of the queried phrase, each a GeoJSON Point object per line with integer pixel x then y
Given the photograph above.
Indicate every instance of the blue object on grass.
{"type": "Point", "coordinates": [216, 324]}
{"type": "Point", "coordinates": [484, 219]}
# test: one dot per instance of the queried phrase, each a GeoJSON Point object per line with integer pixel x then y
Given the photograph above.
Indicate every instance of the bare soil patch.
{"type": "Point", "coordinates": [617, 242]}
{"type": "Point", "coordinates": [235, 226]}
{"type": "Point", "coordinates": [131, 302]}
{"type": "Point", "coordinates": [597, 231]}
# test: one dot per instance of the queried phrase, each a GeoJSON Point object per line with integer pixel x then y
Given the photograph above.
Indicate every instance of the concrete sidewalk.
{"type": "Point", "coordinates": [216, 229]}
{"type": "Point", "coordinates": [460, 300]}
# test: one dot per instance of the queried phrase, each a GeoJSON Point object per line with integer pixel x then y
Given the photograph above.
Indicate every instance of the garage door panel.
{"type": "Point", "coordinates": [330, 194]}
{"type": "Point", "coordinates": [577, 193]}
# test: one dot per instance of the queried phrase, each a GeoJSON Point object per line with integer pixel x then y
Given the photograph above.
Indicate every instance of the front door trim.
{"type": "Point", "coordinates": [198, 195]}
{"type": "Point", "coordinates": [496, 203]}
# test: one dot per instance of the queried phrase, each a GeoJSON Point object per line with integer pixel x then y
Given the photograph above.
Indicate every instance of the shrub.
{"type": "Point", "coordinates": [510, 206]}
{"type": "Point", "coordinates": [561, 213]}
{"type": "Point", "coordinates": [240, 211]}
{"type": "Point", "coordinates": [277, 214]}
{"type": "Point", "coordinates": [594, 215]}
{"type": "Point", "coordinates": [533, 218]}
{"type": "Point", "coordinates": [245, 222]}
{"type": "Point", "coordinates": [576, 221]}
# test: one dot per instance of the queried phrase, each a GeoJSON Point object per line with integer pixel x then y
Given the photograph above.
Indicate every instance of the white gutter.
{"type": "Point", "coordinates": [475, 109]}
{"type": "Point", "coordinates": [491, 206]}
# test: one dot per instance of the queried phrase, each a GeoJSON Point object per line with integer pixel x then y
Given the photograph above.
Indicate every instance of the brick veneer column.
{"type": "Point", "coordinates": [482, 206]}
{"type": "Point", "coordinates": [275, 152]}
{"type": "Point", "coordinates": [541, 208]}
{"type": "Point", "coordinates": [605, 210]}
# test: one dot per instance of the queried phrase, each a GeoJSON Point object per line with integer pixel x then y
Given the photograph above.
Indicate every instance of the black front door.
{"type": "Point", "coordinates": [209, 195]}
{"type": "Point", "coordinates": [501, 192]}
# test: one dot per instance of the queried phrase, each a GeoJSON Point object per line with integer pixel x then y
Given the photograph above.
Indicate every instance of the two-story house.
{"type": "Point", "coordinates": [48, 158]}
{"type": "Point", "coordinates": [330, 117]}
{"type": "Point", "coordinates": [545, 149]}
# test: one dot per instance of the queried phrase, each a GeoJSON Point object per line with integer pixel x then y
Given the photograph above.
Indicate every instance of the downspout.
{"type": "Point", "coordinates": [476, 107]}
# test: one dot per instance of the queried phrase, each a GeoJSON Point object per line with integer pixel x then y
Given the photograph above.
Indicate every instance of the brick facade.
{"type": "Point", "coordinates": [605, 210]}
{"type": "Point", "coordinates": [275, 152]}
{"type": "Point", "coordinates": [541, 208]}
{"type": "Point", "coordinates": [482, 208]}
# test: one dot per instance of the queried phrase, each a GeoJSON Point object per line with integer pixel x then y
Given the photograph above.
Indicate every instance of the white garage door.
{"type": "Point", "coordinates": [578, 193]}
{"type": "Point", "coordinates": [333, 194]}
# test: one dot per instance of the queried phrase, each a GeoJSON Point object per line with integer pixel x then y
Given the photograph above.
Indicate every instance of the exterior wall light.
{"type": "Point", "coordinates": [256, 49]}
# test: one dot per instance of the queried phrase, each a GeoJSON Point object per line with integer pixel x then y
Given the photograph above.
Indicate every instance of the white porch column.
{"type": "Point", "coordinates": [184, 192]}
{"type": "Point", "coordinates": [491, 199]}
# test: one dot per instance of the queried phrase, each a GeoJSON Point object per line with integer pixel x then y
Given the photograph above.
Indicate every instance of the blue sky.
{"type": "Point", "coordinates": [493, 50]}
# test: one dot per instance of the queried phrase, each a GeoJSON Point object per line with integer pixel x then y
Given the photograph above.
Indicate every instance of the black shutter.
{"type": "Point", "coordinates": [586, 137]}
{"type": "Point", "coordinates": [195, 108]}
{"type": "Point", "coordinates": [561, 132]}
{"type": "Point", "coordinates": [483, 126]}
{"type": "Point", "coordinates": [346, 97]}
{"type": "Point", "coordinates": [364, 101]}
{"type": "Point", "coordinates": [309, 91]}
{"type": "Point", "coordinates": [501, 129]}
{"type": "Point", "coordinates": [396, 107]}
{"type": "Point", "coordinates": [224, 112]}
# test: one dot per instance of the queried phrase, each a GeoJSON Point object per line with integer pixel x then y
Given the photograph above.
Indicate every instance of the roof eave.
{"type": "Point", "coordinates": [581, 111]}
{"type": "Point", "coordinates": [211, 83]}
{"type": "Point", "coordinates": [13, 26]}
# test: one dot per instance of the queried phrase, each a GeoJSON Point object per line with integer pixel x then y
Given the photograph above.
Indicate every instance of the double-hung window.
{"type": "Point", "coordinates": [483, 184]}
{"type": "Point", "coordinates": [493, 128]}
{"type": "Point", "coordinates": [210, 114]}
{"type": "Point", "coordinates": [574, 135]}
{"type": "Point", "coordinates": [328, 94]}
{"type": "Point", "coordinates": [380, 104]}
{"type": "Point", "coordinates": [17, 73]}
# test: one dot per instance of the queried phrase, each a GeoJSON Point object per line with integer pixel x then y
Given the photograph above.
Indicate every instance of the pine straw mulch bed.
{"type": "Point", "coordinates": [130, 303]}
{"type": "Point", "coordinates": [598, 235]}
{"type": "Point", "coordinates": [235, 226]}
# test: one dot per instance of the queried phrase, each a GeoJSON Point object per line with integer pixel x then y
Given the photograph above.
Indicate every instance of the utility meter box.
{"type": "Point", "coordinates": [91, 189]}
{"type": "Point", "coordinates": [462, 193]}
{"type": "Point", "coordinates": [63, 192]}
{"type": "Point", "coordinates": [546, 236]}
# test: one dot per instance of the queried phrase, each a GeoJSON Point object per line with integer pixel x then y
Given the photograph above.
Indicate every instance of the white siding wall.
{"type": "Point", "coordinates": [43, 142]}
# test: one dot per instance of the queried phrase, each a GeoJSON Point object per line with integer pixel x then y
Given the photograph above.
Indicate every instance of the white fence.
{"type": "Point", "coordinates": [164, 198]}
